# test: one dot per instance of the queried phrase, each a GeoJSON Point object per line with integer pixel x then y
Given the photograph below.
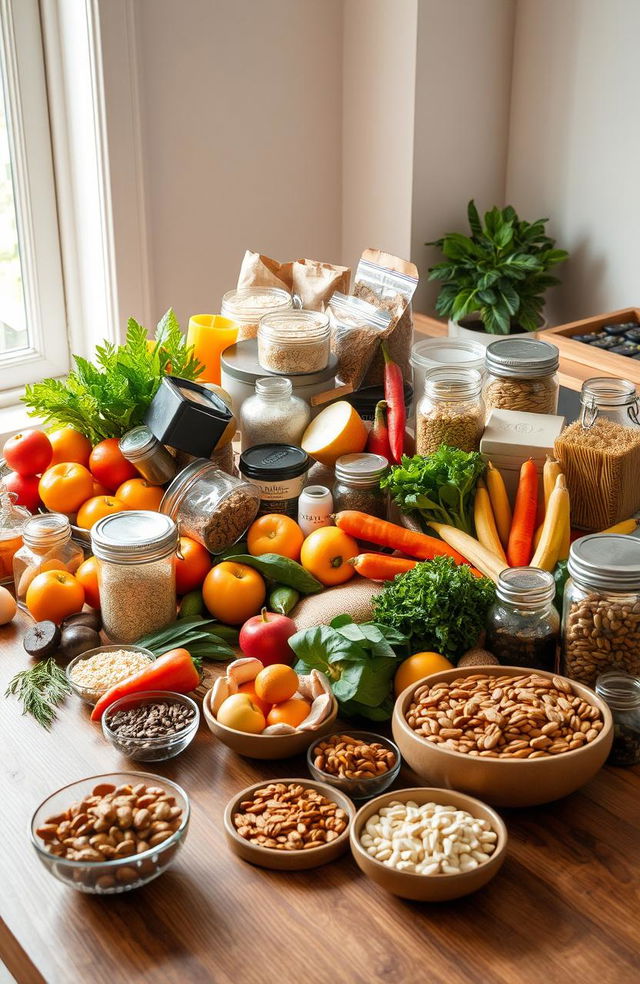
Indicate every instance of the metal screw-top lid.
{"type": "Point", "coordinates": [527, 587]}
{"type": "Point", "coordinates": [606, 561]}
{"type": "Point", "coordinates": [363, 470]}
{"type": "Point", "coordinates": [521, 358]}
{"type": "Point", "coordinates": [137, 536]}
{"type": "Point", "coordinates": [136, 441]}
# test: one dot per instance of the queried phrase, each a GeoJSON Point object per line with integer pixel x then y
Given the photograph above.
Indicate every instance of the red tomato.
{"type": "Point", "coordinates": [29, 452]}
{"type": "Point", "coordinates": [108, 464]}
{"type": "Point", "coordinates": [25, 487]}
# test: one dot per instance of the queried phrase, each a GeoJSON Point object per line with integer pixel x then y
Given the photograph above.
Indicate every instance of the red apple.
{"type": "Point", "coordinates": [29, 452]}
{"type": "Point", "coordinates": [266, 637]}
{"type": "Point", "coordinates": [25, 487]}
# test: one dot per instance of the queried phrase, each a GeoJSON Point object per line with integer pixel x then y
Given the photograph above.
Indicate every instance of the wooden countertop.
{"type": "Point", "coordinates": [561, 909]}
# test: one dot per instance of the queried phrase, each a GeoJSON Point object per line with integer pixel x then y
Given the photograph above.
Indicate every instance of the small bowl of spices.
{"type": "Point", "coordinates": [91, 674]}
{"type": "Point", "coordinates": [151, 726]}
{"type": "Point", "coordinates": [359, 763]}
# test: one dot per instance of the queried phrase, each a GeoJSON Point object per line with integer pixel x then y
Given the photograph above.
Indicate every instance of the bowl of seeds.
{"type": "Point", "coordinates": [91, 674]}
{"type": "Point", "coordinates": [151, 726]}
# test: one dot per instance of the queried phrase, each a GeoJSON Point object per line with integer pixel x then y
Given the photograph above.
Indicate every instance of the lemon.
{"type": "Point", "coordinates": [337, 430]}
{"type": "Point", "coordinates": [418, 666]}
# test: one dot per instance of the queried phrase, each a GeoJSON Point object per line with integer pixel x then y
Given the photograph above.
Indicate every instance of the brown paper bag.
{"type": "Point", "coordinates": [312, 281]}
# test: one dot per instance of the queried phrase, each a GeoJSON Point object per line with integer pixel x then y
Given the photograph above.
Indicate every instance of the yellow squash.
{"type": "Point", "coordinates": [500, 504]}
{"type": "Point", "coordinates": [485, 524]}
{"type": "Point", "coordinates": [554, 539]}
{"type": "Point", "coordinates": [486, 561]}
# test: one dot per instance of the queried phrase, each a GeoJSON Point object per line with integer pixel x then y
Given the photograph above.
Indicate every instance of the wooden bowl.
{"type": "Point", "coordinates": [503, 782]}
{"type": "Point", "coordinates": [267, 857]}
{"type": "Point", "coordinates": [267, 746]}
{"type": "Point", "coordinates": [429, 888]}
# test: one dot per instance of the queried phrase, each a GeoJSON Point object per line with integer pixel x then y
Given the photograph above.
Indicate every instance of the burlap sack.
{"type": "Point", "coordinates": [353, 598]}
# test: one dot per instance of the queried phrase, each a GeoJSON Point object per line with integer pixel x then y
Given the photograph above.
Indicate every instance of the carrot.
{"type": "Point", "coordinates": [396, 410]}
{"type": "Point", "coordinates": [520, 546]}
{"type": "Point", "coordinates": [378, 440]}
{"type": "Point", "coordinates": [381, 567]}
{"type": "Point", "coordinates": [384, 534]}
{"type": "Point", "coordinates": [174, 671]}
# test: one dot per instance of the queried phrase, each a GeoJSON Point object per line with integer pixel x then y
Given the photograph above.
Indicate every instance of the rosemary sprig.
{"type": "Point", "coordinates": [40, 690]}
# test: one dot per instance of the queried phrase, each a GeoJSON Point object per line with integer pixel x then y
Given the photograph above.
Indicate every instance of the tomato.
{"type": "Point", "coordinates": [276, 534]}
{"type": "Point", "coordinates": [54, 595]}
{"type": "Point", "coordinates": [109, 465]}
{"type": "Point", "coordinates": [25, 487]}
{"type": "Point", "coordinates": [137, 493]}
{"type": "Point", "coordinates": [325, 554]}
{"type": "Point", "coordinates": [29, 452]}
{"type": "Point", "coordinates": [64, 487]}
{"type": "Point", "coordinates": [193, 563]}
{"type": "Point", "coordinates": [233, 592]}
{"type": "Point", "coordinates": [87, 575]}
{"type": "Point", "coordinates": [69, 445]}
{"type": "Point", "coordinates": [97, 508]}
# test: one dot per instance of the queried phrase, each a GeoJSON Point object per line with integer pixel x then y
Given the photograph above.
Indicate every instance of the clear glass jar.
{"type": "Point", "coordinates": [522, 374]}
{"type": "Point", "coordinates": [609, 399]}
{"type": "Point", "coordinates": [451, 411]}
{"type": "Point", "coordinates": [12, 521]}
{"type": "Point", "coordinates": [601, 609]}
{"type": "Point", "coordinates": [523, 626]}
{"type": "Point", "coordinates": [435, 353]}
{"type": "Point", "coordinates": [47, 545]}
{"type": "Point", "coordinates": [147, 455]}
{"type": "Point", "coordinates": [136, 572]}
{"type": "Point", "coordinates": [211, 506]}
{"type": "Point", "coordinates": [246, 305]}
{"type": "Point", "coordinates": [273, 414]}
{"type": "Point", "coordinates": [622, 694]}
{"type": "Point", "coordinates": [357, 484]}
{"type": "Point", "coordinates": [294, 342]}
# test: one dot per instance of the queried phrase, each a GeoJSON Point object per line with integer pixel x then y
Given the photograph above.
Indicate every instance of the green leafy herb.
{"type": "Point", "coordinates": [440, 487]}
{"type": "Point", "coordinates": [203, 637]}
{"type": "Point", "coordinates": [40, 689]}
{"type": "Point", "coordinates": [439, 605]}
{"type": "Point", "coordinates": [282, 570]}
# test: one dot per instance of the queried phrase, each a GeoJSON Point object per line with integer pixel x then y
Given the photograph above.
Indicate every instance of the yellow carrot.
{"type": "Point", "coordinates": [487, 562]}
{"type": "Point", "coordinates": [499, 503]}
{"type": "Point", "coordinates": [485, 523]}
{"type": "Point", "coordinates": [626, 526]}
{"type": "Point", "coordinates": [555, 531]}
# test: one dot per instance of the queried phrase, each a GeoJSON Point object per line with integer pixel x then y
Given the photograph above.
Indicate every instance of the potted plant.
{"type": "Point", "coordinates": [494, 280]}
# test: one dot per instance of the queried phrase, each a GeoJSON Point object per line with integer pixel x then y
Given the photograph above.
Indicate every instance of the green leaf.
{"type": "Point", "coordinates": [282, 570]}
{"type": "Point", "coordinates": [474, 219]}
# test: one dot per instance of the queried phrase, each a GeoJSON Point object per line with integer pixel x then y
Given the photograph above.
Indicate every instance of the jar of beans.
{"type": "Point", "coordinates": [523, 625]}
{"type": "Point", "coordinates": [451, 411]}
{"type": "Point", "coordinates": [522, 374]}
{"type": "Point", "coordinates": [622, 694]}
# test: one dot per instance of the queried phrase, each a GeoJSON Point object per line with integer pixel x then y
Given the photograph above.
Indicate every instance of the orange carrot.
{"type": "Point", "coordinates": [520, 546]}
{"type": "Point", "coordinates": [173, 671]}
{"type": "Point", "coordinates": [384, 534]}
{"type": "Point", "coordinates": [381, 567]}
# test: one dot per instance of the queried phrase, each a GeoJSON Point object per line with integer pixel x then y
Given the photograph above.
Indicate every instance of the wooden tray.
{"type": "Point", "coordinates": [603, 362]}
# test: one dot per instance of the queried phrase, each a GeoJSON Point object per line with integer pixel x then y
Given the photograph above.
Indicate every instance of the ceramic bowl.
{"type": "Point", "coordinates": [267, 857]}
{"type": "Point", "coordinates": [266, 746]}
{"type": "Point", "coordinates": [363, 788]}
{"type": "Point", "coordinates": [429, 888]}
{"type": "Point", "coordinates": [93, 696]}
{"type": "Point", "coordinates": [502, 782]}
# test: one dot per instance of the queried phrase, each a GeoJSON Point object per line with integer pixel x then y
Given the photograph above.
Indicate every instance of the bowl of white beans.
{"type": "Point", "coordinates": [427, 844]}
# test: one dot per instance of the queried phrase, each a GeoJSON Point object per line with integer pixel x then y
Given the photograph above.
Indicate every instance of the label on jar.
{"type": "Point", "coordinates": [280, 497]}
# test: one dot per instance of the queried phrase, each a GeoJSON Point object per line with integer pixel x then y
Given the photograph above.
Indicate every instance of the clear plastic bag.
{"type": "Point", "coordinates": [388, 283]}
{"type": "Point", "coordinates": [356, 330]}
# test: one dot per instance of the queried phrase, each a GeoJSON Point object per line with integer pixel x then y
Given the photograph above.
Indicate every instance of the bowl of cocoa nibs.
{"type": "Point", "coordinates": [151, 726]}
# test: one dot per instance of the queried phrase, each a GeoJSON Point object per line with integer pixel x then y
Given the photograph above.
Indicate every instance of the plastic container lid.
{"type": "Point", "coordinates": [136, 536]}
{"type": "Point", "coordinates": [432, 352]}
{"type": "Point", "coordinates": [360, 469]}
{"type": "Point", "coordinates": [522, 358]}
{"type": "Point", "coordinates": [240, 361]}
{"type": "Point", "coordinates": [608, 561]}
{"type": "Point", "coordinates": [274, 462]}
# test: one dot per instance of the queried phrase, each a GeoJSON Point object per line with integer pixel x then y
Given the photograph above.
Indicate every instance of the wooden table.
{"type": "Point", "coordinates": [561, 909]}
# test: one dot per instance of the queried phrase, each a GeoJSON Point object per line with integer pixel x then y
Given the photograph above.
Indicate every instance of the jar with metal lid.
{"type": "Point", "coordinates": [601, 610]}
{"type": "Point", "coordinates": [523, 625]}
{"type": "Point", "coordinates": [147, 455]}
{"type": "Point", "coordinates": [246, 305]}
{"type": "Point", "coordinates": [622, 694]}
{"type": "Point", "coordinates": [451, 411]}
{"type": "Point", "coordinates": [47, 545]}
{"type": "Point", "coordinates": [210, 506]}
{"type": "Point", "coordinates": [293, 342]}
{"type": "Point", "coordinates": [357, 484]}
{"type": "Point", "coordinates": [522, 374]}
{"type": "Point", "coordinates": [273, 413]}
{"type": "Point", "coordinates": [12, 521]}
{"type": "Point", "coordinates": [280, 472]}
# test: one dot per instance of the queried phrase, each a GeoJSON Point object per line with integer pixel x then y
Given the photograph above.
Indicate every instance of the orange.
{"type": "Point", "coordinates": [233, 592]}
{"type": "Point", "coordinates": [418, 666]}
{"type": "Point", "coordinates": [276, 683]}
{"type": "Point", "coordinates": [248, 688]}
{"type": "Point", "coordinates": [87, 575]}
{"type": "Point", "coordinates": [276, 534]}
{"type": "Point", "coordinates": [99, 489]}
{"type": "Point", "coordinates": [292, 712]}
{"type": "Point", "coordinates": [325, 553]}
{"type": "Point", "coordinates": [54, 595]}
{"type": "Point", "coordinates": [137, 493]}
{"type": "Point", "coordinates": [193, 563]}
{"type": "Point", "coordinates": [64, 487]}
{"type": "Point", "coordinates": [69, 445]}
{"type": "Point", "coordinates": [97, 508]}
{"type": "Point", "coordinates": [337, 430]}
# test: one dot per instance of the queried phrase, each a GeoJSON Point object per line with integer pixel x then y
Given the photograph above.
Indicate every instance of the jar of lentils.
{"type": "Point", "coordinates": [451, 411]}
{"type": "Point", "coordinates": [522, 374]}
{"type": "Point", "coordinates": [622, 694]}
{"type": "Point", "coordinates": [357, 484]}
{"type": "Point", "coordinates": [523, 625]}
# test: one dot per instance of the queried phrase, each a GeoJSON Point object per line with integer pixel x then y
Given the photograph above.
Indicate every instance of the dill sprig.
{"type": "Point", "coordinates": [40, 690]}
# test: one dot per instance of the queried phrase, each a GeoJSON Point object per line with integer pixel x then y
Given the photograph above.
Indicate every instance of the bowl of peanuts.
{"type": "Point", "coordinates": [111, 833]}
{"type": "Point", "coordinates": [513, 737]}
{"type": "Point", "coordinates": [359, 763]}
{"type": "Point", "coordinates": [428, 844]}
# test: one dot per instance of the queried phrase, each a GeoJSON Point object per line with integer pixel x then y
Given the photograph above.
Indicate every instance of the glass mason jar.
{"type": "Point", "coordinates": [357, 484]}
{"type": "Point", "coordinates": [523, 626]}
{"type": "Point", "coordinates": [522, 374]}
{"type": "Point", "coordinates": [12, 521]}
{"type": "Point", "coordinates": [246, 305]}
{"type": "Point", "coordinates": [622, 694]}
{"type": "Point", "coordinates": [47, 545]}
{"type": "Point", "coordinates": [136, 572]}
{"type": "Point", "coordinates": [210, 506]}
{"type": "Point", "coordinates": [273, 414]}
{"type": "Point", "coordinates": [601, 610]}
{"type": "Point", "coordinates": [609, 399]}
{"type": "Point", "coordinates": [451, 411]}
{"type": "Point", "coordinates": [294, 342]}
{"type": "Point", "coordinates": [147, 455]}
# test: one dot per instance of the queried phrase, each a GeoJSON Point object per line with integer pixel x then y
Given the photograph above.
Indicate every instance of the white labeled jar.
{"type": "Point", "coordinates": [294, 342]}
{"type": "Point", "coordinates": [246, 305]}
{"type": "Point", "coordinates": [451, 411]}
{"type": "Point", "coordinates": [522, 374]}
{"type": "Point", "coordinates": [273, 413]}
{"type": "Point", "coordinates": [315, 507]}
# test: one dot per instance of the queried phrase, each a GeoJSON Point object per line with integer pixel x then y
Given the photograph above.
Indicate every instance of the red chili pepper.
{"type": "Point", "coordinates": [173, 671]}
{"type": "Point", "coordinates": [396, 412]}
{"type": "Point", "coordinates": [378, 440]}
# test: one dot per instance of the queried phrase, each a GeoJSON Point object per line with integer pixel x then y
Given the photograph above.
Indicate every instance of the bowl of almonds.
{"type": "Point", "coordinates": [359, 763]}
{"type": "Point", "coordinates": [511, 736]}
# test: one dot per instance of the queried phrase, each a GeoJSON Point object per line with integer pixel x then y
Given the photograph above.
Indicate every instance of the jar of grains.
{"type": "Point", "coordinates": [293, 342]}
{"type": "Point", "coordinates": [523, 626]}
{"type": "Point", "coordinates": [211, 506]}
{"type": "Point", "coordinates": [601, 611]}
{"type": "Point", "coordinates": [522, 374]}
{"type": "Point", "coordinates": [357, 484]}
{"type": "Point", "coordinates": [247, 305]}
{"type": "Point", "coordinates": [451, 410]}
{"type": "Point", "coordinates": [273, 414]}
{"type": "Point", "coordinates": [136, 572]}
{"type": "Point", "coordinates": [622, 694]}
{"type": "Point", "coordinates": [147, 455]}
{"type": "Point", "coordinates": [46, 544]}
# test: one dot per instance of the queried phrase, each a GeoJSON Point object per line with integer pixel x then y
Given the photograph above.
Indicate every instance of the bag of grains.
{"type": "Point", "coordinates": [357, 328]}
{"type": "Point", "coordinates": [310, 280]}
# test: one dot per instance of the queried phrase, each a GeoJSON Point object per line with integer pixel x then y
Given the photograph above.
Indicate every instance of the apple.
{"type": "Point", "coordinates": [240, 713]}
{"type": "Point", "coordinates": [25, 488]}
{"type": "Point", "coordinates": [29, 452]}
{"type": "Point", "coordinates": [266, 637]}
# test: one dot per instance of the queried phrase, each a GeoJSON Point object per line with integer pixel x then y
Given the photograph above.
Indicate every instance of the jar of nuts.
{"type": "Point", "coordinates": [451, 411]}
{"type": "Point", "coordinates": [523, 625]}
{"type": "Point", "coordinates": [522, 374]}
{"type": "Point", "coordinates": [601, 611]}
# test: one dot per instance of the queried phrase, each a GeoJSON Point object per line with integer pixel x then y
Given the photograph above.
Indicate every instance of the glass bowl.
{"type": "Point", "coordinates": [357, 788]}
{"type": "Point", "coordinates": [151, 749]}
{"type": "Point", "coordinates": [122, 874]}
{"type": "Point", "coordinates": [93, 696]}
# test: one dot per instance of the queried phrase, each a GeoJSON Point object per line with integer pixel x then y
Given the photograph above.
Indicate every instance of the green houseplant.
{"type": "Point", "coordinates": [496, 277]}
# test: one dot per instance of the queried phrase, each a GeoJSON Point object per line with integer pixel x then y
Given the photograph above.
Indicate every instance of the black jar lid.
{"type": "Point", "coordinates": [274, 462]}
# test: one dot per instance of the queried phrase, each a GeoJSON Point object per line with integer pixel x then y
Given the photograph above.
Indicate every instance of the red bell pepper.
{"type": "Point", "coordinates": [174, 671]}
{"type": "Point", "coordinates": [396, 411]}
{"type": "Point", "coordinates": [378, 440]}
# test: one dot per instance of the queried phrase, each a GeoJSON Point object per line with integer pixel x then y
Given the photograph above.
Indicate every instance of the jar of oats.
{"type": "Point", "coordinates": [522, 374]}
{"type": "Point", "coordinates": [247, 305]}
{"type": "Point", "coordinates": [451, 411]}
{"type": "Point", "coordinates": [293, 342]}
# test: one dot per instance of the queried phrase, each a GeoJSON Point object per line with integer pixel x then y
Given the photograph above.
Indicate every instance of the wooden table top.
{"type": "Point", "coordinates": [561, 909]}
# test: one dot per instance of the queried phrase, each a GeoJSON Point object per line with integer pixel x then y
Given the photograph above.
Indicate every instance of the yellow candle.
{"type": "Point", "coordinates": [210, 334]}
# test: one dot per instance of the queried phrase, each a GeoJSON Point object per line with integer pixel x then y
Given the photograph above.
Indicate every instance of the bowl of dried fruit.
{"type": "Point", "coordinates": [512, 736]}
{"type": "Point", "coordinates": [359, 763]}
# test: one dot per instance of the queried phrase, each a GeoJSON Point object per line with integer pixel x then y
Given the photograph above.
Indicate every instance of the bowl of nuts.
{"type": "Point", "coordinates": [511, 736]}
{"type": "Point", "coordinates": [429, 845]}
{"type": "Point", "coordinates": [151, 726]}
{"type": "Point", "coordinates": [359, 763]}
{"type": "Point", "coordinates": [289, 824]}
{"type": "Point", "coordinates": [111, 833]}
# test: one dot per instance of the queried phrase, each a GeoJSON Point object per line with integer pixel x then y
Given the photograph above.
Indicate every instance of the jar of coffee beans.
{"type": "Point", "coordinates": [523, 625]}
{"type": "Point", "coordinates": [451, 411]}
{"type": "Point", "coordinates": [622, 694]}
{"type": "Point", "coordinates": [357, 484]}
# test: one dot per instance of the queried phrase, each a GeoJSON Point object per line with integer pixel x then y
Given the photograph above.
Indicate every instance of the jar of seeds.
{"type": "Point", "coordinates": [523, 626]}
{"type": "Point", "coordinates": [451, 410]}
{"type": "Point", "coordinates": [357, 484]}
{"type": "Point", "coordinates": [246, 305]}
{"type": "Point", "coordinates": [136, 573]}
{"type": "Point", "coordinates": [522, 374]}
{"type": "Point", "coordinates": [622, 694]}
{"type": "Point", "coordinates": [293, 342]}
{"type": "Point", "coordinates": [274, 414]}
